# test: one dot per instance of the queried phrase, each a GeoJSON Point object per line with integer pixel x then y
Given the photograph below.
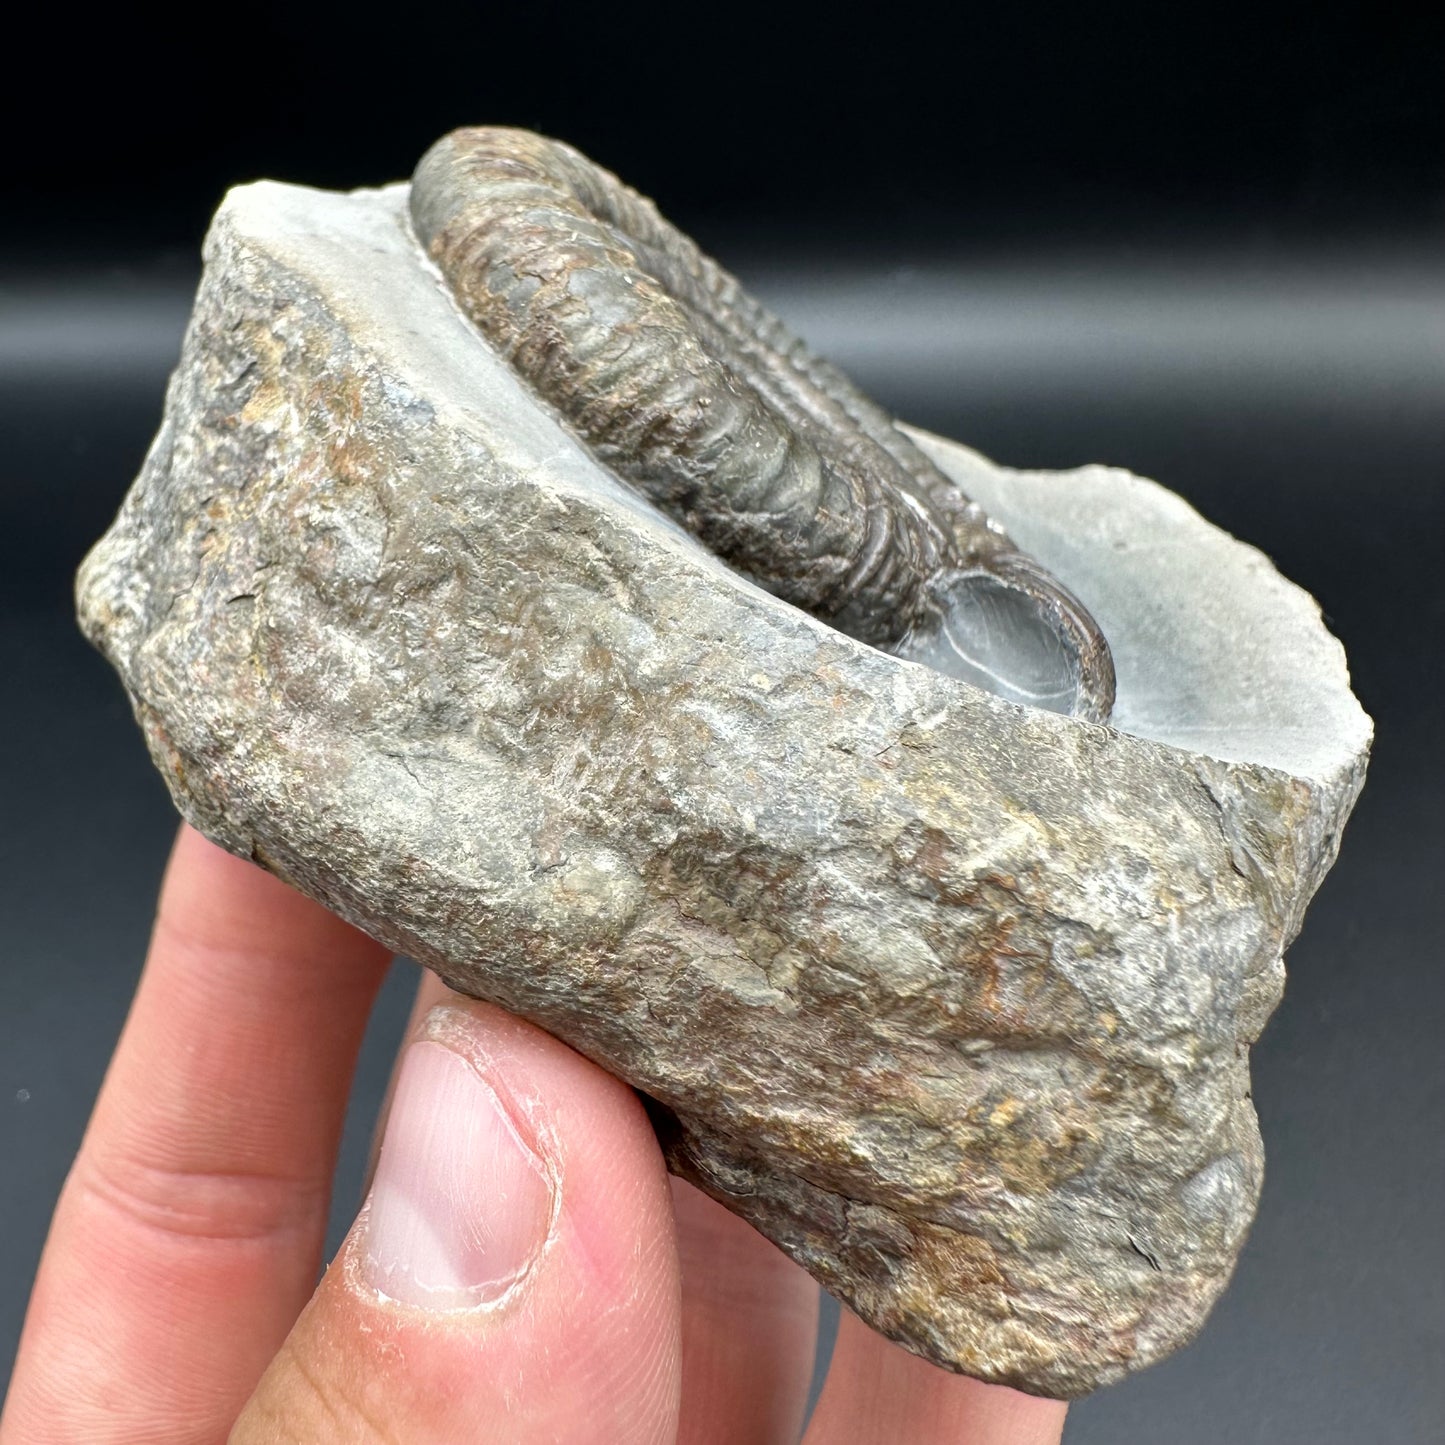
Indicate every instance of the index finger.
{"type": "Point", "coordinates": [876, 1392]}
{"type": "Point", "coordinates": [188, 1234]}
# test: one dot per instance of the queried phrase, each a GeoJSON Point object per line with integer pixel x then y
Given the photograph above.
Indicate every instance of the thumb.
{"type": "Point", "coordinates": [513, 1274]}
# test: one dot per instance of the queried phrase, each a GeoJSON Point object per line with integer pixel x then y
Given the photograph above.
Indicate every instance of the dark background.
{"type": "Point", "coordinates": [1200, 243]}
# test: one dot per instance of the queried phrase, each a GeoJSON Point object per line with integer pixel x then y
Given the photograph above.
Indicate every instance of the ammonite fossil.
{"type": "Point", "coordinates": [693, 392]}
{"type": "Point", "coordinates": [950, 998]}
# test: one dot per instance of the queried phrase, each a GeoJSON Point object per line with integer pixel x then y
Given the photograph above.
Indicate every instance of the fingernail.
{"type": "Point", "coordinates": [461, 1204]}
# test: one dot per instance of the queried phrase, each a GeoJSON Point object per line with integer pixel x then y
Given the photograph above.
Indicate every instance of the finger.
{"type": "Point", "coordinates": [513, 1274]}
{"type": "Point", "coordinates": [749, 1329]}
{"type": "Point", "coordinates": [188, 1234]}
{"type": "Point", "coordinates": [877, 1391]}
{"type": "Point", "coordinates": [430, 991]}
{"type": "Point", "coordinates": [749, 1314]}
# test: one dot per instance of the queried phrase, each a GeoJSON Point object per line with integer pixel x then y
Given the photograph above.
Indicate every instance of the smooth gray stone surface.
{"type": "Point", "coordinates": [947, 996]}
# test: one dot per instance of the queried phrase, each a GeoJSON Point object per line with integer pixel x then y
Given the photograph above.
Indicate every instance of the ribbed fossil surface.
{"type": "Point", "coordinates": [949, 997]}
{"type": "Point", "coordinates": [681, 383]}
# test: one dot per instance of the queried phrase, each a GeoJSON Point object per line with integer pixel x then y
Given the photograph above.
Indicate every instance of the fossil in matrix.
{"type": "Point", "coordinates": [678, 381]}
{"type": "Point", "coordinates": [597, 677]}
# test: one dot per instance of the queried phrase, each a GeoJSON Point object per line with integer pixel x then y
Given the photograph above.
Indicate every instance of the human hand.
{"type": "Point", "coordinates": [523, 1269]}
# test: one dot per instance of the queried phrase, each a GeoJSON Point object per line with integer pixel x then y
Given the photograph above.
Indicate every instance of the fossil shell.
{"type": "Point", "coordinates": [949, 997]}
{"type": "Point", "coordinates": [686, 387]}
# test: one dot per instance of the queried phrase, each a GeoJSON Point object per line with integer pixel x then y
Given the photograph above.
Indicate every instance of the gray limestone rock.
{"type": "Point", "coordinates": [949, 997]}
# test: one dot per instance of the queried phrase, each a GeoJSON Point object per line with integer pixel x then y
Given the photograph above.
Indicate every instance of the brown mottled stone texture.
{"type": "Point", "coordinates": [950, 998]}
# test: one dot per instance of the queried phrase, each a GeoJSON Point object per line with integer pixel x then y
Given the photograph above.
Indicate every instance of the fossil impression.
{"type": "Point", "coordinates": [950, 996]}
{"type": "Point", "coordinates": [681, 383]}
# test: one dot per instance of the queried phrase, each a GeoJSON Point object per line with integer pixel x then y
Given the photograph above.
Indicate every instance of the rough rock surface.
{"type": "Point", "coordinates": [949, 997]}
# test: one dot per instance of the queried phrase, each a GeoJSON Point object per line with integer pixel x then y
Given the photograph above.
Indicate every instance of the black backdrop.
{"type": "Point", "coordinates": [1027, 121]}
{"type": "Point", "coordinates": [1198, 242]}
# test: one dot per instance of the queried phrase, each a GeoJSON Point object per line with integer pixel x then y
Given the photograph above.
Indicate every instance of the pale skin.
{"type": "Point", "coordinates": [177, 1299]}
